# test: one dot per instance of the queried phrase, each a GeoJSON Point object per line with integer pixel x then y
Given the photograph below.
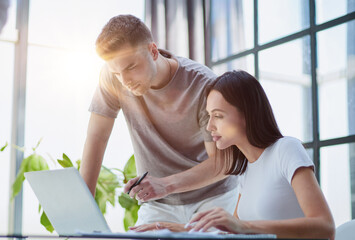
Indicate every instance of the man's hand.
{"type": "Point", "coordinates": [151, 188]}
{"type": "Point", "coordinates": [201, 175]}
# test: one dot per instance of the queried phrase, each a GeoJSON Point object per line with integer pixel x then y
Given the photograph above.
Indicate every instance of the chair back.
{"type": "Point", "coordinates": [346, 231]}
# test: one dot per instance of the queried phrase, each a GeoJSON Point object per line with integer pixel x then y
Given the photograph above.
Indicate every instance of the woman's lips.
{"type": "Point", "coordinates": [216, 138]}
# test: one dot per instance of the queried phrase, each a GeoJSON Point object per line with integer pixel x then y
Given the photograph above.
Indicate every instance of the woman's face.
{"type": "Point", "coordinates": [226, 123]}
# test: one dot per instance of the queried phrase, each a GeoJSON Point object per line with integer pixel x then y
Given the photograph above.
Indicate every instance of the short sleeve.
{"type": "Point", "coordinates": [292, 156]}
{"type": "Point", "coordinates": [106, 98]}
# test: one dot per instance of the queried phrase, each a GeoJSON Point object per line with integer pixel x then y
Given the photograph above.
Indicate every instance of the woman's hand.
{"type": "Point", "coordinates": [174, 227]}
{"type": "Point", "coordinates": [217, 218]}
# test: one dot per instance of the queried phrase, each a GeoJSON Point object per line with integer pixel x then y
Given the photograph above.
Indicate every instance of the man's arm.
{"type": "Point", "coordinates": [98, 133]}
{"type": "Point", "coordinates": [196, 177]}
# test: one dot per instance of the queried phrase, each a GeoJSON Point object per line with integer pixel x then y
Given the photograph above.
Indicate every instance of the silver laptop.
{"type": "Point", "coordinates": [67, 201]}
{"type": "Point", "coordinates": [72, 210]}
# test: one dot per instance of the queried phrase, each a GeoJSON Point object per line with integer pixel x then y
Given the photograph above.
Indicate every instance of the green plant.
{"type": "Point", "coordinates": [34, 162]}
{"type": "Point", "coordinates": [106, 189]}
{"type": "Point", "coordinates": [130, 205]}
{"type": "Point", "coordinates": [3, 148]}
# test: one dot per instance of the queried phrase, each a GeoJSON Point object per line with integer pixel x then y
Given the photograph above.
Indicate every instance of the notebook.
{"type": "Point", "coordinates": [67, 201]}
{"type": "Point", "coordinates": [72, 210]}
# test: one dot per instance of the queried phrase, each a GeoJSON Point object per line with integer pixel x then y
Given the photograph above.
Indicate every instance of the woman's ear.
{"type": "Point", "coordinates": [153, 49]}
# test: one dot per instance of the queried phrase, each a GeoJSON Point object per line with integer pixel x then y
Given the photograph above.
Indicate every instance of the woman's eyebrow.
{"type": "Point", "coordinates": [217, 110]}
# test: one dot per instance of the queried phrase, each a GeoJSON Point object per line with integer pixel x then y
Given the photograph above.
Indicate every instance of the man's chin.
{"type": "Point", "coordinates": [138, 93]}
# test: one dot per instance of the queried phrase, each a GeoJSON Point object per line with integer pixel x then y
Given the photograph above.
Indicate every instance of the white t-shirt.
{"type": "Point", "coordinates": [265, 187]}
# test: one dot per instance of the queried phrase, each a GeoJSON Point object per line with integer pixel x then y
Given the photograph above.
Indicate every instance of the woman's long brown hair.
{"type": "Point", "coordinates": [244, 92]}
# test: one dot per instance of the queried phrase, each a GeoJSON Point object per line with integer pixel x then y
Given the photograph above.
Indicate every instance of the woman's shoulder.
{"type": "Point", "coordinates": [287, 142]}
{"type": "Point", "coordinates": [287, 145]}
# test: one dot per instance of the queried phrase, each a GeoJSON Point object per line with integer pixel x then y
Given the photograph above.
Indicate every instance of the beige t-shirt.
{"type": "Point", "coordinates": [167, 126]}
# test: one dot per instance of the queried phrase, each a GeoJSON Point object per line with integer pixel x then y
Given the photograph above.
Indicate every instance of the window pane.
{"type": "Point", "coordinates": [74, 24]}
{"type": "Point", "coordinates": [336, 81]}
{"type": "Point", "coordinates": [310, 153]}
{"type": "Point", "coordinates": [278, 18]}
{"type": "Point", "coordinates": [62, 74]}
{"type": "Point", "coordinates": [337, 178]}
{"type": "Point", "coordinates": [232, 25]}
{"type": "Point", "coordinates": [285, 76]}
{"type": "Point", "coordinates": [244, 63]}
{"type": "Point", "coordinates": [9, 31]}
{"type": "Point", "coordinates": [329, 9]}
{"type": "Point", "coordinates": [6, 83]}
{"type": "Point", "coordinates": [178, 43]}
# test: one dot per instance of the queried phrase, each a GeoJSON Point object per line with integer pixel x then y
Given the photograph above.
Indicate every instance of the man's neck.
{"type": "Point", "coordinates": [166, 70]}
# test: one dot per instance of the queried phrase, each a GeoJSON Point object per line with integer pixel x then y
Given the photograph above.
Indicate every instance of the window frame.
{"type": "Point", "coordinates": [316, 144]}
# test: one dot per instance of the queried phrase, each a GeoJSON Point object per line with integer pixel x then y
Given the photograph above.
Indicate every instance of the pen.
{"type": "Point", "coordinates": [138, 182]}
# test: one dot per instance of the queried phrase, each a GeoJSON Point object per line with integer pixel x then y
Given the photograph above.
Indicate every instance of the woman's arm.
{"type": "Point", "coordinates": [174, 227]}
{"type": "Point", "coordinates": [317, 223]}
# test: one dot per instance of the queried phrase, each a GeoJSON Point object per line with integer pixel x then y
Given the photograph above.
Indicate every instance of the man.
{"type": "Point", "coordinates": [162, 98]}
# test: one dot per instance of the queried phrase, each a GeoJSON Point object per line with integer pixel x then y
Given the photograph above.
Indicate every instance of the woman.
{"type": "Point", "coordinates": [279, 193]}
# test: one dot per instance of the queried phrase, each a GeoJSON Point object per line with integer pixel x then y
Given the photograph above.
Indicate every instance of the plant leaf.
{"type": "Point", "coordinates": [21, 149]}
{"type": "Point", "coordinates": [107, 184]}
{"type": "Point", "coordinates": [126, 202]}
{"type": "Point", "coordinates": [78, 163]}
{"type": "Point", "coordinates": [130, 217]}
{"type": "Point", "coordinates": [129, 170]}
{"type": "Point", "coordinates": [131, 205]}
{"type": "Point", "coordinates": [3, 148]}
{"type": "Point", "coordinates": [34, 162]}
{"type": "Point", "coordinates": [65, 157]}
{"type": "Point", "coordinates": [66, 162]}
{"type": "Point", "coordinates": [38, 143]}
{"type": "Point", "coordinates": [100, 200]}
{"type": "Point", "coordinates": [17, 185]}
{"type": "Point", "coordinates": [46, 223]}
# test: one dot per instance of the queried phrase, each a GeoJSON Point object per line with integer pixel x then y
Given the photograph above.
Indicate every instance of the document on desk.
{"type": "Point", "coordinates": [167, 234]}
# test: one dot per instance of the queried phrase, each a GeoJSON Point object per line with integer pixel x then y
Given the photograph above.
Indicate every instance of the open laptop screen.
{"type": "Point", "coordinates": [67, 201]}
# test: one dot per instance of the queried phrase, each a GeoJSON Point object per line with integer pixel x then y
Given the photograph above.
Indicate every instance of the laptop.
{"type": "Point", "coordinates": [67, 201]}
{"type": "Point", "coordinates": [72, 210]}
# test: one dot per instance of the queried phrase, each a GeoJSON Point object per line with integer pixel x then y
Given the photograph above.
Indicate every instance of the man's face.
{"type": "Point", "coordinates": [134, 67]}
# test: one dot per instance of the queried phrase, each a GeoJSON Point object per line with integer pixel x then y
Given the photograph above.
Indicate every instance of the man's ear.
{"type": "Point", "coordinates": [153, 49]}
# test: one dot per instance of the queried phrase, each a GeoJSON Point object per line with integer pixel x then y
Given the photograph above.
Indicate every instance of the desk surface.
{"type": "Point", "coordinates": [127, 236]}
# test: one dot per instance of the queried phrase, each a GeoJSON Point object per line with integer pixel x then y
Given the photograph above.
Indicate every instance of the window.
{"type": "Point", "coordinates": [329, 9]}
{"type": "Point", "coordinates": [303, 54]}
{"type": "Point", "coordinates": [7, 50]}
{"type": "Point", "coordinates": [231, 27]}
{"type": "Point", "coordinates": [279, 18]}
{"type": "Point", "coordinates": [284, 73]}
{"type": "Point", "coordinates": [336, 81]}
{"type": "Point", "coordinates": [61, 76]}
{"type": "Point", "coordinates": [337, 177]}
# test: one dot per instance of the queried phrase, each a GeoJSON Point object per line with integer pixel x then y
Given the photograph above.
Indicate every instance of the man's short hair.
{"type": "Point", "coordinates": [119, 31]}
